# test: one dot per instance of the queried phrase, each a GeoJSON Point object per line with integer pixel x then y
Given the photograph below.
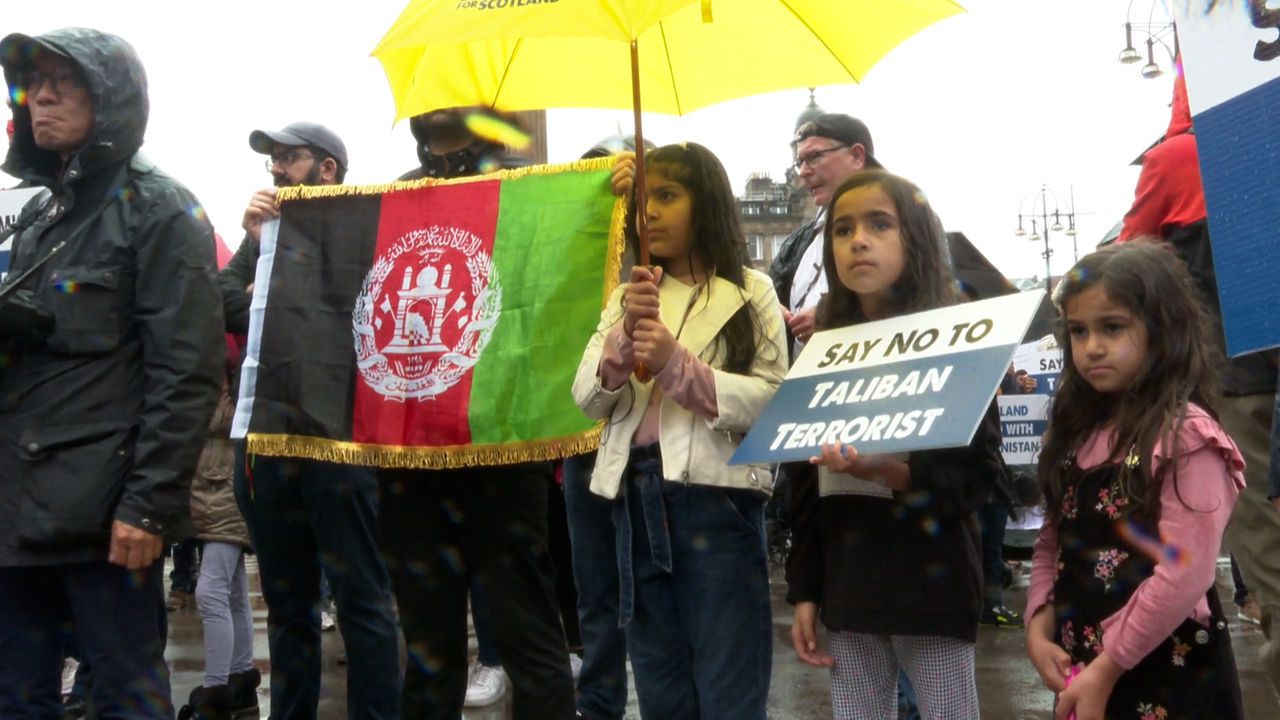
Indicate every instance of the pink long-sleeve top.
{"type": "Point", "coordinates": [687, 380]}
{"type": "Point", "coordinates": [1210, 478]}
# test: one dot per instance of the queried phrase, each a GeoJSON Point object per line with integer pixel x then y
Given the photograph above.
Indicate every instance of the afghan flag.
{"type": "Point", "coordinates": [430, 324]}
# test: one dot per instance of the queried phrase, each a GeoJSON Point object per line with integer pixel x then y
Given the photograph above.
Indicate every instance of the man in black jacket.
{"type": "Point", "coordinates": [303, 514]}
{"type": "Point", "coordinates": [111, 370]}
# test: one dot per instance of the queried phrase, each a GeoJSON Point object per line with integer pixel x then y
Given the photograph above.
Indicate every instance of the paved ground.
{"type": "Point", "coordinates": [1007, 686]}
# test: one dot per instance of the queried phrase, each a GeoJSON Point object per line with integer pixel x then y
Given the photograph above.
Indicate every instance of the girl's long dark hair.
{"type": "Point", "coordinates": [717, 240]}
{"type": "Point", "coordinates": [926, 281]}
{"type": "Point", "coordinates": [1180, 367]}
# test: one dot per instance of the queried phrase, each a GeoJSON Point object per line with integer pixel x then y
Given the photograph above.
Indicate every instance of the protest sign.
{"type": "Point", "coordinates": [1023, 419]}
{"type": "Point", "coordinates": [914, 382]}
{"type": "Point", "coordinates": [1231, 54]}
{"type": "Point", "coordinates": [11, 202]}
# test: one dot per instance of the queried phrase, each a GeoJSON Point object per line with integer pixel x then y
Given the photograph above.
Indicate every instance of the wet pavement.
{"type": "Point", "coordinates": [1008, 688]}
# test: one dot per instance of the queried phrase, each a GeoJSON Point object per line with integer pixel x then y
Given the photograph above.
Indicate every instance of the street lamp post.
{"type": "Point", "coordinates": [1157, 33]}
{"type": "Point", "coordinates": [1039, 219]}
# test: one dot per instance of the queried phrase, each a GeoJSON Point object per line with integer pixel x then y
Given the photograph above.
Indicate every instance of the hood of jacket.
{"type": "Point", "coordinates": [117, 83]}
{"type": "Point", "coordinates": [1180, 119]}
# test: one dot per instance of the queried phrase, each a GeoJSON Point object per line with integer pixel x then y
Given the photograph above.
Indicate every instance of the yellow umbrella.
{"type": "Point", "coordinates": [523, 55]}
{"type": "Point", "coordinates": [680, 54]}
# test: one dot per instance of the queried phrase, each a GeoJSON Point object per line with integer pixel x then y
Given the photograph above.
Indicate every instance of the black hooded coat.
{"type": "Point", "coordinates": [104, 418]}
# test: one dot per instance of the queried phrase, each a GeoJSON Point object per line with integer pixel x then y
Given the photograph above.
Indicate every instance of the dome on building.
{"type": "Point", "coordinates": [810, 112]}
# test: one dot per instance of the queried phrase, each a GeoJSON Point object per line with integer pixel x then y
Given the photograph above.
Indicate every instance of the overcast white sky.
{"type": "Point", "coordinates": [979, 110]}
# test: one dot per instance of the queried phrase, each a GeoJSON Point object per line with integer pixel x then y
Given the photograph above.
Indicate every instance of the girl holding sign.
{"type": "Point", "coordinates": [691, 550]}
{"type": "Point", "coordinates": [1134, 458]}
{"type": "Point", "coordinates": [887, 547]}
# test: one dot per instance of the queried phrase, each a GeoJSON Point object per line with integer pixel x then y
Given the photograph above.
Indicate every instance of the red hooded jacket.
{"type": "Point", "coordinates": [1169, 193]}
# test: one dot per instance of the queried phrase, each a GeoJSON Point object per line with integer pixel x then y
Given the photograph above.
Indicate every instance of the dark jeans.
{"type": "Point", "coordinates": [302, 513]}
{"type": "Point", "coordinates": [1241, 593]}
{"type": "Point", "coordinates": [695, 595]}
{"type": "Point", "coordinates": [186, 566]}
{"type": "Point", "coordinates": [562, 559]}
{"type": "Point", "coordinates": [116, 616]}
{"type": "Point", "coordinates": [602, 683]}
{"type": "Point", "coordinates": [992, 520]}
{"type": "Point", "coordinates": [481, 617]}
{"type": "Point", "coordinates": [443, 529]}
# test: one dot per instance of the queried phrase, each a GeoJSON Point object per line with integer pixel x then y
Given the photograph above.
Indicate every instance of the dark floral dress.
{"type": "Point", "coordinates": [1192, 674]}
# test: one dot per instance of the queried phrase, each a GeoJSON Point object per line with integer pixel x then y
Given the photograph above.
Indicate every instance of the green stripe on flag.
{"type": "Point", "coordinates": [550, 255]}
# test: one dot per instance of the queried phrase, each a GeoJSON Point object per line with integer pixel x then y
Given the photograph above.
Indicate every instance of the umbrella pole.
{"type": "Point", "coordinates": [642, 373]}
{"type": "Point", "coordinates": [641, 191]}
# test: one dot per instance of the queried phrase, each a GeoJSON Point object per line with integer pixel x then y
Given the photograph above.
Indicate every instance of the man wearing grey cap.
{"type": "Point", "coordinates": [112, 343]}
{"type": "Point", "coordinates": [308, 516]}
{"type": "Point", "coordinates": [828, 149]}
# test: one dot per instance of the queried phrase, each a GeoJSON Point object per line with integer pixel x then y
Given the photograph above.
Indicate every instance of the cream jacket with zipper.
{"type": "Point", "coordinates": [694, 449]}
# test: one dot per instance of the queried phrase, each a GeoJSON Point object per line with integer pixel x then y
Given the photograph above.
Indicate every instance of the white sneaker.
{"type": "Point", "coordinates": [69, 668]}
{"type": "Point", "coordinates": [575, 665]}
{"type": "Point", "coordinates": [328, 621]}
{"type": "Point", "coordinates": [485, 686]}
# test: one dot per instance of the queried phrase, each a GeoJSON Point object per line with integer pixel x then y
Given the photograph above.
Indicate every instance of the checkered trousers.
{"type": "Point", "coordinates": [864, 680]}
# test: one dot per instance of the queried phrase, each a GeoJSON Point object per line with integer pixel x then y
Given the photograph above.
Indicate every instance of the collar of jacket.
{"type": "Point", "coordinates": [714, 303]}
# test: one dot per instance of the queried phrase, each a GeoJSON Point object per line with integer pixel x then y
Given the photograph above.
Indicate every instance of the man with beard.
{"type": "Point", "coordinates": [305, 515]}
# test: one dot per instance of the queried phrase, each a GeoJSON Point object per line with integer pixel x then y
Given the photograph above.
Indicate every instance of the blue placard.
{"type": "Point", "coordinates": [1231, 54]}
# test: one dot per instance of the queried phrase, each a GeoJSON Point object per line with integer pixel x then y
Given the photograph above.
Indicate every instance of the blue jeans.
{"type": "Point", "coordinates": [116, 616]}
{"type": "Point", "coordinates": [302, 513]}
{"type": "Point", "coordinates": [694, 581]}
{"type": "Point", "coordinates": [602, 683]}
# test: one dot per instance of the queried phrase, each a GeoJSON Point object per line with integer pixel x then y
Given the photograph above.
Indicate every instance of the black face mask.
{"type": "Point", "coordinates": [461, 163]}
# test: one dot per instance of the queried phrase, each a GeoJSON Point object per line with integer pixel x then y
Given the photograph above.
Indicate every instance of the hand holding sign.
{"type": "Point", "coordinates": [845, 459]}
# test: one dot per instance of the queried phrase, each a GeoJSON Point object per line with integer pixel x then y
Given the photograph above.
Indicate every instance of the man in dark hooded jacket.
{"type": "Point", "coordinates": [112, 368]}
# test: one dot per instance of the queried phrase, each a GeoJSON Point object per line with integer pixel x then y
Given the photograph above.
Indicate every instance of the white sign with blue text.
{"type": "Point", "coordinates": [915, 382]}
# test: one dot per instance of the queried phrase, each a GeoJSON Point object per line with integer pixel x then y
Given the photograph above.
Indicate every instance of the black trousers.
{"type": "Point", "coordinates": [440, 529]}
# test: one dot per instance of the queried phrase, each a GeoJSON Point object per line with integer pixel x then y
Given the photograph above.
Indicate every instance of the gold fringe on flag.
{"type": "Point", "coordinates": [613, 252]}
{"type": "Point", "coordinates": [423, 457]}
{"type": "Point", "coordinates": [311, 192]}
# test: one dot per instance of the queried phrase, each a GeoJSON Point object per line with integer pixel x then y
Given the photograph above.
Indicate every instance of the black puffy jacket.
{"type": "Point", "coordinates": [104, 419]}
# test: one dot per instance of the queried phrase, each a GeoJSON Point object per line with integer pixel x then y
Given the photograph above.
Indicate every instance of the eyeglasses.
{"type": "Point", "coordinates": [288, 157]}
{"type": "Point", "coordinates": [815, 157]}
{"type": "Point", "coordinates": [61, 79]}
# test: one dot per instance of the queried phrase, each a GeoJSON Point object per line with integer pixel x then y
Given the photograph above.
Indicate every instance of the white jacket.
{"type": "Point", "coordinates": [694, 449]}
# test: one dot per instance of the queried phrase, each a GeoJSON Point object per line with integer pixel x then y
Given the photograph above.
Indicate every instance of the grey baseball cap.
{"type": "Point", "coordinates": [300, 134]}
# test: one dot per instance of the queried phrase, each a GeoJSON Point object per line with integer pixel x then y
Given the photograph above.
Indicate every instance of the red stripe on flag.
{"type": "Point", "coordinates": [425, 239]}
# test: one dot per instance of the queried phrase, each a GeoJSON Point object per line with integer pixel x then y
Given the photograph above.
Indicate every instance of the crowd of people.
{"type": "Point", "coordinates": [122, 337]}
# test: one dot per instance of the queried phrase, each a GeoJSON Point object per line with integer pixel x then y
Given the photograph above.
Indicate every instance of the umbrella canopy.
{"type": "Point", "coordinates": [690, 53]}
